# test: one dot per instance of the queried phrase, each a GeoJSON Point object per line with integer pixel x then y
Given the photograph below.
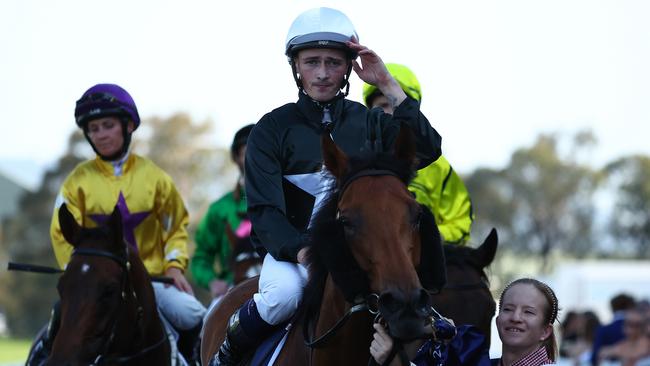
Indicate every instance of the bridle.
{"type": "Point", "coordinates": [126, 288]}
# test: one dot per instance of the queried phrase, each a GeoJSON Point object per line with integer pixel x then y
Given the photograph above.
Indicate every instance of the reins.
{"type": "Point", "coordinates": [357, 307]}
{"type": "Point", "coordinates": [35, 268]}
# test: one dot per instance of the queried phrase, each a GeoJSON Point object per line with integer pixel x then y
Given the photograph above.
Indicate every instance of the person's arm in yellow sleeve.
{"type": "Point", "coordinates": [456, 214]}
{"type": "Point", "coordinates": [63, 249]}
{"type": "Point", "coordinates": [174, 219]}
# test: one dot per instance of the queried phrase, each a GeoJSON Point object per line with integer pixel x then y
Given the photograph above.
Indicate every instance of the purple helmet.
{"type": "Point", "coordinates": [105, 100]}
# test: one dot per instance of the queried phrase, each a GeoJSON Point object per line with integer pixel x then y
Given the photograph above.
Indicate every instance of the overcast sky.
{"type": "Point", "coordinates": [494, 73]}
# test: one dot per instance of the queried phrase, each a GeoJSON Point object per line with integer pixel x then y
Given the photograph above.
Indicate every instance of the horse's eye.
{"type": "Point", "coordinates": [343, 221]}
{"type": "Point", "coordinates": [348, 226]}
{"type": "Point", "coordinates": [109, 293]}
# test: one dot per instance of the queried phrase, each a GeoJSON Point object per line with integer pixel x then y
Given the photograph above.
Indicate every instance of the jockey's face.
{"type": "Point", "coordinates": [322, 71]}
{"type": "Point", "coordinates": [106, 135]}
{"type": "Point", "coordinates": [382, 102]}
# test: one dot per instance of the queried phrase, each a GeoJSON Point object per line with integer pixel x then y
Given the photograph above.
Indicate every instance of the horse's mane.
{"type": "Point", "coordinates": [463, 256]}
{"type": "Point", "coordinates": [328, 252]}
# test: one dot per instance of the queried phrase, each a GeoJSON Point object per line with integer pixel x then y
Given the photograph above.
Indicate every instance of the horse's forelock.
{"type": "Point", "coordinates": [378, 161]}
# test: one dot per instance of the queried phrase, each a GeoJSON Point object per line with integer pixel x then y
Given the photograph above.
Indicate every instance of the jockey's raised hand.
{"type": "Point", "coordinates": [373, 71]}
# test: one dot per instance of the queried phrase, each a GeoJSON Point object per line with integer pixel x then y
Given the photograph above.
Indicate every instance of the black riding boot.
{"type": "Point", "coordinates": [189, 344]}
{"type": "Point", "coordinates": [43, 346]}
{"type": "Point", "coordinates": [246, 329]}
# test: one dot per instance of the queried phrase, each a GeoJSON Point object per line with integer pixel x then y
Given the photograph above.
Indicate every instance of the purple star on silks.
{"type": "Point", "coordinates": [129, 220]}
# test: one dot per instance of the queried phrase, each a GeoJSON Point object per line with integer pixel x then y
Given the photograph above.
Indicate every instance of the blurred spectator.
{"type": "Point", "coordinates": [635, 346]}
{"type": "Point", "coordinates": [612, 333]}
{"type": "Point", "coordinates": [578, 332]}
{"type": "Point", "coordinates": [570, 328]}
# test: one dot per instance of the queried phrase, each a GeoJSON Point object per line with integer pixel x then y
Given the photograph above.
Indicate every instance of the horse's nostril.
{"type": "Point", "coordinates": [388, 302]}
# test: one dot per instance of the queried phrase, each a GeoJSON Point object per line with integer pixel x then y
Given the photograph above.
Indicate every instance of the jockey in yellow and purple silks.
{"type": "Point", "coordinates": [154, 215]}
{"type": "Point", "coordinates": [436, 186]}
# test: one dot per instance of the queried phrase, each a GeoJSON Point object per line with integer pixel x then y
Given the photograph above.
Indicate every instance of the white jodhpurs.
{"type": "Point", "coordinates": [183, 310]}
{"type": "Point", "coordinates": [280, 289]}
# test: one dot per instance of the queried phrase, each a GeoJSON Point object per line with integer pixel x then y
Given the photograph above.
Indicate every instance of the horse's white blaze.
{"type": "Point", "coordinates": [85, 268]}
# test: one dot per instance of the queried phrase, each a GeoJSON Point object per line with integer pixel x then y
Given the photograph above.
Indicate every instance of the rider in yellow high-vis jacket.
{"type": "Point", "coordinates": [437, 186]}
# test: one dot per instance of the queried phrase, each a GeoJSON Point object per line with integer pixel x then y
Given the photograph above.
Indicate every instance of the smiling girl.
{"type": "Point", "coordinates": [527, 310]}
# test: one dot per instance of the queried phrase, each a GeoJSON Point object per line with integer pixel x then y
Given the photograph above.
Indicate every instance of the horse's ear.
{"type": "Point", "coordinates": [116, 227]}
{"type": "Point", "coordinates": [232, 237]}
{"type": "Point", "coordinates": [485, 252]}
{"type": "Point", "coordinates": [335, 159]}
{"type": "Point", "coordinates": [69, 227]}
{"type": "Point", "coordinates": [405, 144]}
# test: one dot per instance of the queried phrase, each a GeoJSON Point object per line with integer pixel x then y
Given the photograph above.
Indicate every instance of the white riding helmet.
{"type": "Point", "coordinates": [320, 28]}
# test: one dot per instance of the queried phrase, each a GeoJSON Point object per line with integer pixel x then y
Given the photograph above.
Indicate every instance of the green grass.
{"type": "Point", "coordinates": [13, 350]}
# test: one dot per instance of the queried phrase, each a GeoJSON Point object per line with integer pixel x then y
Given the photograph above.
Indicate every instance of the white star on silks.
{"type": "Point", "coordinates": [317, 184]}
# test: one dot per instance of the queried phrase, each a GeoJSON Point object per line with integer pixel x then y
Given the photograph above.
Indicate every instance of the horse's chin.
{"type": "Point", "coordinates": [409, 329]}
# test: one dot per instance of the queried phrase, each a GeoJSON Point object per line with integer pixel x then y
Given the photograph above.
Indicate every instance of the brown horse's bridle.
{"type": "Point", "coordinates": [127, 289]}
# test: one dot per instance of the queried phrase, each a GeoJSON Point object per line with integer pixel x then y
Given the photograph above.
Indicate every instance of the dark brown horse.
{"type": "Point", "coordinates": [108, 308]}
{"type": "Point", "coordinates": [363, 259]}
{"type": "Point", "coordinates": [466, 297]}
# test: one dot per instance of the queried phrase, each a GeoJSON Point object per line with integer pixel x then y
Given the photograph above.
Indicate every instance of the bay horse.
{"type": "Point", "coordinates": [363, 259]}
{"type": "Point", "coordinates": [466, 297]}
{"type": "Point", "coordinates": [108, 307]}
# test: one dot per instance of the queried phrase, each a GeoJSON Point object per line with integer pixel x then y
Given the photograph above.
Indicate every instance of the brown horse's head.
{"type": "Point", "coordinates": [367, 234]}
{"type": "Point", "coordinates": [101, 299]}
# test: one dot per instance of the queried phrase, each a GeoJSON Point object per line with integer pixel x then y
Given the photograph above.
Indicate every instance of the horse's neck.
{"type": "Point", "coordinates": [152, 325]}
{"type": "Point", "coordinates": [351, 342]}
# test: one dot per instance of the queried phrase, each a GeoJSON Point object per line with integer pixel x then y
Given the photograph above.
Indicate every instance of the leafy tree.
{"type": "Point", "coordinates": [630, 218]}
{"type": "Point", "coordinates": [182, 149]}
{"type": "Point", "coordinates": [541, 201]}
{"type": "Point", "coordinates": [28, 297]}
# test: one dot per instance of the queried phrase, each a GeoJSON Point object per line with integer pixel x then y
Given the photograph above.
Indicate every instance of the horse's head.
{"type": "Point", "coordinates": [97, 294]}
{"type": "Point", "coordinates": [374, 230]}
{"type": "Point", "coordinates": [245, 262]}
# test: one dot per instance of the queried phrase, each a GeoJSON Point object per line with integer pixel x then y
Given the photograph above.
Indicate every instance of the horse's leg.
{"type": "Point", "coordinates": [214, 329]}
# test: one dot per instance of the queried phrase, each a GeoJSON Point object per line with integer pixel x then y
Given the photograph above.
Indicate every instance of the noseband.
{"type": "Point", "coordinates": [126, 289]}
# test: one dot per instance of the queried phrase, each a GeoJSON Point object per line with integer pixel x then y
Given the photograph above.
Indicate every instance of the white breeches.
{"type": "Point", "coordinates": [280, 289]}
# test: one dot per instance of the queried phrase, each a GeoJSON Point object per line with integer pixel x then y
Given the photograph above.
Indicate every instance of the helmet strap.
{"type": "Point", "coordinates": [294, 72]}
{"type": "Point", "coordinates": [346, 80]}
{"type": "Point", "coordinates": [126, 136]}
